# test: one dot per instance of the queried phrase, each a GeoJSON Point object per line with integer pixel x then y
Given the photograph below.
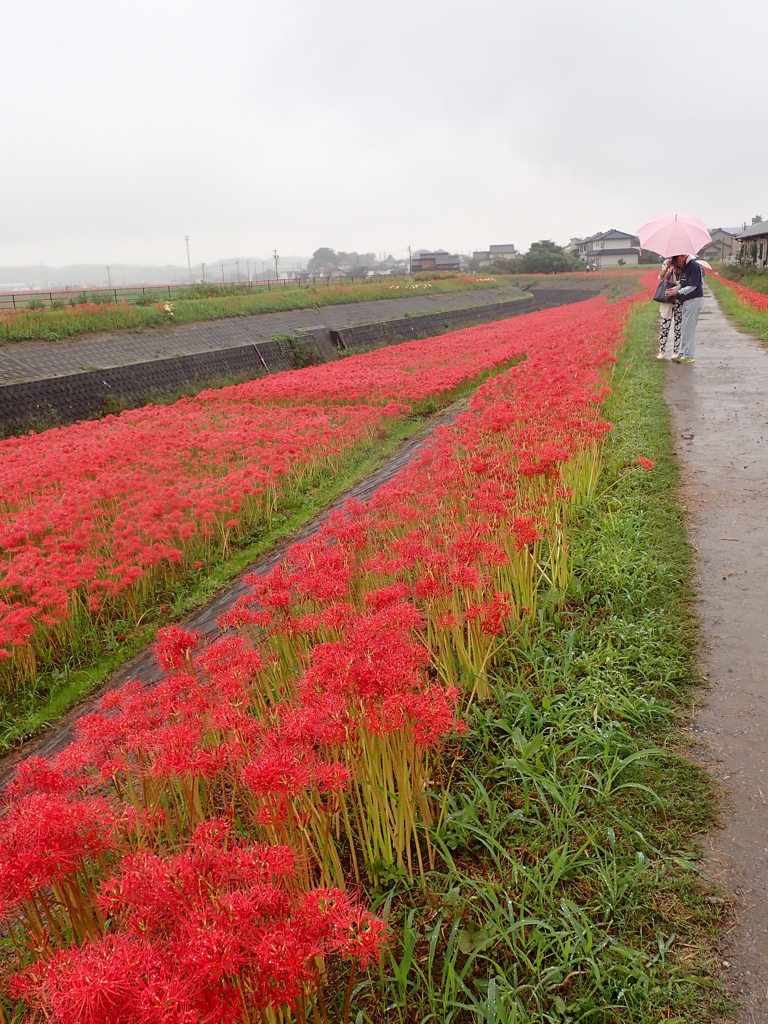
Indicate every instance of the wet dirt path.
{"type": "Point", "coordinates": [204, 621]}
{"type": "Point", "coordinates": [719, 408]}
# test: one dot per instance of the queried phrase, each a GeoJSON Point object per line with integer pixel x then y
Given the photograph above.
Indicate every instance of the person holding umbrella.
{"type": "Point", "coordinates": [690, 291]}
{"type": "Point", "coordinates": [676, 233]}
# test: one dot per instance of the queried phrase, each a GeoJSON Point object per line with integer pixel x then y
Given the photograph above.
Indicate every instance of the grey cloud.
{"type": "Point", "coordinates": [369, 128]}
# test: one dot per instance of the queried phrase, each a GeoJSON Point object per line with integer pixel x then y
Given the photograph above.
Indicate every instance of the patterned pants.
{"type": "Point", "coordinates": [664, 325]}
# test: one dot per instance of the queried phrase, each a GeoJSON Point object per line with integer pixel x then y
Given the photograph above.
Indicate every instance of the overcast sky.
{"type": "Point", "coordinates": [433, 123]}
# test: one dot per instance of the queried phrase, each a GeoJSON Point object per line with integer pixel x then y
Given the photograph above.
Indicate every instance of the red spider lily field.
{"type": "Point", "coordinates": [746, 306]}
{"type": "Point", "coordinates": [101, 518]}
{"type": "Point", "coordinates": [423, 775]}
{"type": "Point", "coordinates": [747, 296]}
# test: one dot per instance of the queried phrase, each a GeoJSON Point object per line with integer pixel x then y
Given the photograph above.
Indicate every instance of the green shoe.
{"type": "Point", "coordinates": [686, 359]}
{"type": "Point", "coordinates": [676, 358]}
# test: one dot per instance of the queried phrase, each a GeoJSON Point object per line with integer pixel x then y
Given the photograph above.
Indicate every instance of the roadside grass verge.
{"type": "Point", "coordinates": [568, 889]}
{"type": "Point", "coordinates": [53, 324]}
{"type": "Point", "coordinates": [754, 321]}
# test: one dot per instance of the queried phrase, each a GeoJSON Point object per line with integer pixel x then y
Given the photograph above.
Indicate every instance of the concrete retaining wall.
{"type": "Point", "coordinates": [392, 332]}
{"type": "Point", "coordinates": [61, 400]}
{"type": "Point", "coordinates": [76, 396]}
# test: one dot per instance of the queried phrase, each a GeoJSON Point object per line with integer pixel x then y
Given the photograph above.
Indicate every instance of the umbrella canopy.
{"type": "Point", "coordinates": [673, 235]}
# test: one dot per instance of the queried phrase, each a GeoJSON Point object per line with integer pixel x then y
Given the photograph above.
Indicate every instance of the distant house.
{"type": "Point", "coordinates": [389, 263]}
{"type": "Point", "coordinates": [484, 257]}
{"type": "Point", "coordinates": [609, 249]}
{"type": "Point", "coordinates": [437, 260]}
{"type": "Point", "coordinates": [502, 252]}
{"type": "Point", "coordinates": [754, 243]}
{"type": "Point", "coordinates": [724, 244]}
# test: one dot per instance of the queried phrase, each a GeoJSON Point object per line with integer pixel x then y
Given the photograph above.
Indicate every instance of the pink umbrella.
{"type": "Point", "coordinates": [673, 235]}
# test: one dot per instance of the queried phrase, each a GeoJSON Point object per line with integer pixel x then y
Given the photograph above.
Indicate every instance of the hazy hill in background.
{"type": "Point", "coordinates": [90, 275]}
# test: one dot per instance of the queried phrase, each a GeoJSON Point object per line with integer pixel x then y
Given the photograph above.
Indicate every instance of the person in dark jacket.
{"type": "Point", "coordinates": [690, 291]}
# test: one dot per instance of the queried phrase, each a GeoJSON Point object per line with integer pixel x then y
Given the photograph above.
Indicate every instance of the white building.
{"type": "Point", "coordinates": [610, 249]}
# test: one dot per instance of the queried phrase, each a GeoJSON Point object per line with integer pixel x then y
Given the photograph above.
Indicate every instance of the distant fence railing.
{"type": "Point", "coordinates": [147, 294]}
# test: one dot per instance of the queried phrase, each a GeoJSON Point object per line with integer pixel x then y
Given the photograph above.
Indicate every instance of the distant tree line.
{"type": "Point", "coordinates": [324, 260]}
{"type": "Point", "coordinates": [544, 257]}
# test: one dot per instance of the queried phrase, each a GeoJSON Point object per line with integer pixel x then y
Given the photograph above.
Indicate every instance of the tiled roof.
{"type": "Point", "coordinates": [605, 234]}
{"type": "Point", "coordinates": [754, 230]}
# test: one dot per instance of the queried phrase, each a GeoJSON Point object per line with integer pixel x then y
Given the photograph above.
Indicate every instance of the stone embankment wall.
{"type": "Point", "coordinates": [75, 396]}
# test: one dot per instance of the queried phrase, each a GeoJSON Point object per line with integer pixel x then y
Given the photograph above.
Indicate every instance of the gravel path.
{"type": "Point", "coordinates": [720, 418]}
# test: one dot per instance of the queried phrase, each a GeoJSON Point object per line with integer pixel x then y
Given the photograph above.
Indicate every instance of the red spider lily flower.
{"type": "Point", "coordinates": [525, 532]}
{"type": "Point", "coordinates": [39, 775]}
{"type": "Point", "coordinates": [174, 647]}
{"type": "Point", "coordinates": [645, 463]}
{"type": "Point", "coordinates": [494, 613]}
{"type": "Point", "coordinates": [48, 837]}
{"type": "Point", "coordinates": [198, 928]}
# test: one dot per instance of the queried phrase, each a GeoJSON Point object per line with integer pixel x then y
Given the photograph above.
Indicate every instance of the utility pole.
{"type": "Point", "coordinates": [203, 266]}
{"type": "Point", "coordinates": [109, 278]}
{"type": "Point", "coordinates": [410, 261]}
{"type": "Point", "coordinates": [222, 273]}
{"type": "Point", "coordinates": [277, 272]}
{"type": "Point", "coordinates": [189, 265]}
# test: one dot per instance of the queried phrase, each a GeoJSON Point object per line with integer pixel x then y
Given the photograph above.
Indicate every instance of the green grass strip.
{"type": "Point", "coordinates": [57, 322]}
{"type": "Point", "coordinates": [569, 890]}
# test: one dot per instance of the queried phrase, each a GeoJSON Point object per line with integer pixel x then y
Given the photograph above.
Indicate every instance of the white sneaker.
{"type": "Point", "coordinates": [660, 355]}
